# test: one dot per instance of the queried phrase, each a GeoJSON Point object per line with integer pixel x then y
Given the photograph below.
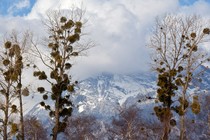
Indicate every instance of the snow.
{"type": "Point", "coordinates": [103, 95]}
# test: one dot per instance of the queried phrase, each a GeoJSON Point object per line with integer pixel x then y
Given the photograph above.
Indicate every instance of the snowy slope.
{"type": "Point", "coordinates": [103, 95]}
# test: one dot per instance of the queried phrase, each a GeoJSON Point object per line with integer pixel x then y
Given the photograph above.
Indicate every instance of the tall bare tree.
{"type": "Point", "coordinates": [11, 85]}
{"type": "Point", "coordinates": [9, 76]}
{"type": "Point", "coordinates": [24, 43]}
{"type": "Point", "coordinates": [63, 45]}
{"type": "Point", "coordinates": [34, 130]}
{"type": "Point", "coordinates": [81, 127]}
{"type": "Point", "coordinates": [178, 53]}
{"type": "Point", "coordinates": [128, 125]}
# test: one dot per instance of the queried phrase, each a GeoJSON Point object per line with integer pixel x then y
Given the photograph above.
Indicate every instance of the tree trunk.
{"type": "Point", "coordinates": [21, 112]}
{"type": "Point", "coordinates": [166, 124]}
{"type": "Point", "coordinates": [182, 119]}
{"type": "Point", "coordinates": [182, 129]}
{"type": "Point", "coordinates": [56, 127]}
{"type": "Point", "coordinates": [21, 118]}
{"type": "Point", "coordinates": [5, 136]}
{"type": "Point", "coordinates": [182, 122]}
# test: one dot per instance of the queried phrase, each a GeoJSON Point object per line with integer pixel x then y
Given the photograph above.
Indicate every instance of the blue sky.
{"type": "Point", "coordinates": [187, 2]}
{"type": "Point", "coordinates": [16, 7]}
{"type": "Point", "coordinates": [23, 7]}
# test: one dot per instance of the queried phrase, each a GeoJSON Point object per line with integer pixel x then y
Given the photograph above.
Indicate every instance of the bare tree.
{"type": "Point", "coordinates": [64, 44]}
{"type": "Point", "coordinates": [81, 128]}
{"type": "Point", "coordinates": [196, 126]}
{"type": "Point", "coordinates": [128, 125]}
{"type": "Point", "coordinates": [24, 44]}
{"type": "Point", "coordinates": [177, 42]}
{"type": "Point", "coordinates": [11, 67]}
{"type": "Point", "coordinates": [34, 130]}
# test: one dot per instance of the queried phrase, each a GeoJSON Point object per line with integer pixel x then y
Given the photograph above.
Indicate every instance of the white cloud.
{"type": "Point", "coordinates": [40, 7]}
{"type": "Point", "coordinates": [18, 6]}
{"type": "Point", "coordinates": [200, 7]}
{"type": "Point", "coordinates": [119, 28]}
{"type": "Point", "coordinates": [22, 4]}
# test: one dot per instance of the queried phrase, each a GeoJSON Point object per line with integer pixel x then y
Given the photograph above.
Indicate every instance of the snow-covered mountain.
{"type": "Point", "coordinates": [102, 96]}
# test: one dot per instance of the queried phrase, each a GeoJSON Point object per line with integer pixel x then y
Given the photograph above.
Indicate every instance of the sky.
{"type": "Point", "coordinates": [119, 28]}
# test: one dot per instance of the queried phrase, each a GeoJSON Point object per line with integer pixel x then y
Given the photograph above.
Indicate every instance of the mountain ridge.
{"type": "Point", "coordinates": [102, 96]}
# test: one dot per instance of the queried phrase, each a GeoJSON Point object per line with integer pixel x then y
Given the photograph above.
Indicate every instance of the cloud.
{"type": "Point", "coordinates": [22, 4]}
{"type": "Point", "coordinates": [120, 29]}
{"type": "Point", "coordinates": [200, 7]}
{"type": "Point", "coordinates": [18, 6]}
